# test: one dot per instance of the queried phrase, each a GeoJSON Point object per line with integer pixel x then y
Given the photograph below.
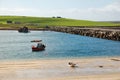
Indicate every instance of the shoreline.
{"type": "Point", "coordinates": [95, 28]}
{"type": "Point", "coordinates": [103, 33]}
{"type": "Point", "coordinates": [38, 29]}
{"type": "Point", "coordinates": [63, 58]}
{"type": "Point", "coordinates": [58, 69]}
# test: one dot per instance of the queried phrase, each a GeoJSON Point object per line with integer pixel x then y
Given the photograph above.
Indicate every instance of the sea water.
{"type": "Point", "coordinates": [15, 45]}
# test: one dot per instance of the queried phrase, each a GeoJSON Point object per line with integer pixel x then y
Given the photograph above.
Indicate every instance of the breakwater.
{"type": "Point", "coordinates": [104, 33]}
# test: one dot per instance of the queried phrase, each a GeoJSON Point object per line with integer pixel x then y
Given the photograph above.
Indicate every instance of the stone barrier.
{"type": "Point", "coordinates": [110, 34]}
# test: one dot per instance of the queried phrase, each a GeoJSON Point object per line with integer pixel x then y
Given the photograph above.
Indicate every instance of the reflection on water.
{"type": "Point", "coordinates": [14, 45]}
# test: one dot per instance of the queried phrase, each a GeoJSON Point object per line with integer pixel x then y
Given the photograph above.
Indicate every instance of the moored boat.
{"type": "Point", "coordinates": [39, 47]}
{"type": "Point", "coordinates": [36, 40]}
{"type": "Point", "coordinates": [23, 30]}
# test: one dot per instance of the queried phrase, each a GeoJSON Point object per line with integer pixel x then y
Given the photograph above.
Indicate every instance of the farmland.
{"type": "Point", "coordinates": [41, 22]}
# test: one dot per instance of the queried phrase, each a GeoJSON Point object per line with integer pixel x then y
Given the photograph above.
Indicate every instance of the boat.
{"type": "Point", "coordinates": [36, 40]}
{"type": "Point", "coordinates": [23, 30]}
{"type": "Point", "coordinates": [40, 47]}
{"type": "Point", "coordinates": [37, 49]}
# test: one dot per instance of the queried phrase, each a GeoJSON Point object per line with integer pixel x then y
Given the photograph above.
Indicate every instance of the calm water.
{"type": "Point", "coordinates": [14, 45]}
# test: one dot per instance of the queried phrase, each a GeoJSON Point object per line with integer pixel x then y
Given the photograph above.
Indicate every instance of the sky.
{"type": "Point", "coordinates": [95, 10]}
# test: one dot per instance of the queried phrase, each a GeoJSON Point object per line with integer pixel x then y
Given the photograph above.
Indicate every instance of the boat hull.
{"type": "Point", "coordinates": [36, 40]}
{"type": "Point", "coordinates": [38, 49]}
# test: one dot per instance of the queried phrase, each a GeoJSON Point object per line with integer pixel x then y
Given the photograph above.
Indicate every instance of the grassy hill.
{"type": "Point", "coordinates": [40, 22]}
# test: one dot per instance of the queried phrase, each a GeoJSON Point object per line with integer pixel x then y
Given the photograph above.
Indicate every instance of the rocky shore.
{"type": "Point", "coordinates": [104, 33]}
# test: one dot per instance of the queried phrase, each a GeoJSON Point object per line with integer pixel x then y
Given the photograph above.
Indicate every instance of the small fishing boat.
{"type": "Point", "coordinates": [23, 30]}
{"type": "Point", "coordinates": [39, 47]}
{"type": "Point", "coordinates": [36, 40]}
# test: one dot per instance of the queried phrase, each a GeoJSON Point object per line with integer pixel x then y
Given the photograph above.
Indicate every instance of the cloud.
{"type": "Point", "coordinates": [15, 11]}
{"type": "Point", "coordinates": [109, 12]}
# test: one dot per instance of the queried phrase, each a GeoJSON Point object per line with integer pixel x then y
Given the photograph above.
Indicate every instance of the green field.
{"type": "Point", "coordinates": [40, 22]}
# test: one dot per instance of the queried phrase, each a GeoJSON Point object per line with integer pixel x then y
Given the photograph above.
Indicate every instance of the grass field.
{"type": "Point", "coordinates": [40, 22]}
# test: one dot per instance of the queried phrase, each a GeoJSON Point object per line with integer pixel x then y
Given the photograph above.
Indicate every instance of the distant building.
{"type": "Point", "coordinates": [53, 17]}
{"type": "Point", "coordinates": [59, 17]}
{"type": "Point", "coordinates": [17, 22]}
{"type": "Point", "coordinates": [9, 22]}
